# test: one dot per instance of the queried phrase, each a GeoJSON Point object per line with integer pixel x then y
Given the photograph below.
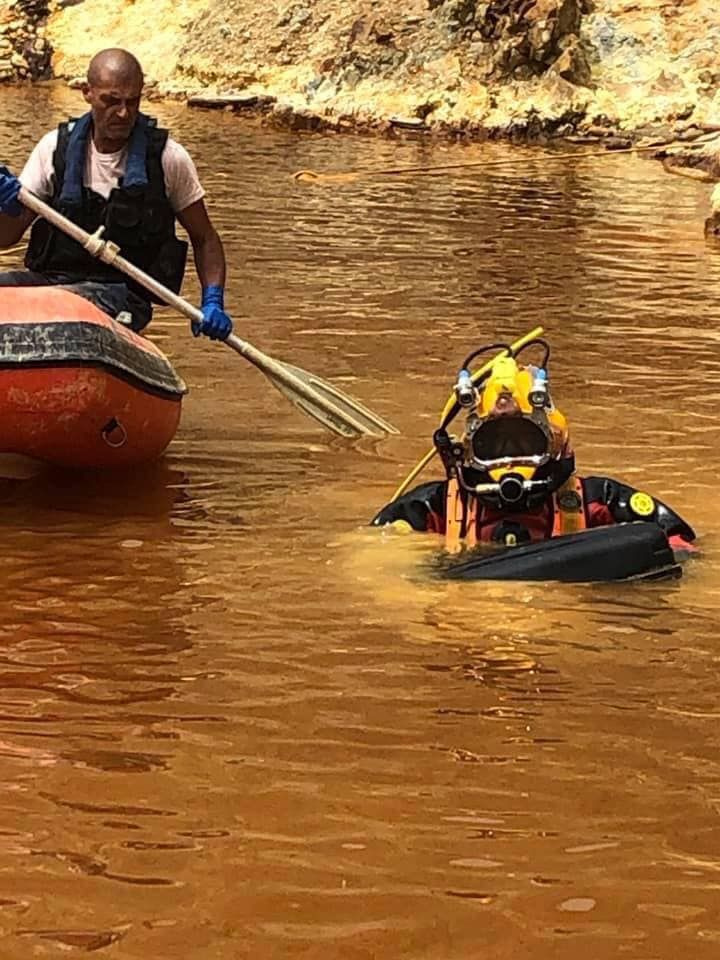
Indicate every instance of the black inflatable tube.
{"type": "Point", "coordinates": [625, 551]}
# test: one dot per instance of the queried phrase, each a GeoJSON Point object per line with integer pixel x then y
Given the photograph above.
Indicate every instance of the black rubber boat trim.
{"type": "Point", "coordinates": [78, 343]}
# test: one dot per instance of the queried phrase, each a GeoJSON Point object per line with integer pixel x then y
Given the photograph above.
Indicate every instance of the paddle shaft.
{"type": "Point", "coordinates": [109, 253]}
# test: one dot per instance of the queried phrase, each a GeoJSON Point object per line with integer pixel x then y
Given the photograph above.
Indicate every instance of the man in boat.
{"type": "Point", "coordinates": [114, 167]}
{"type": "Point", "coordinates": [510, 477]}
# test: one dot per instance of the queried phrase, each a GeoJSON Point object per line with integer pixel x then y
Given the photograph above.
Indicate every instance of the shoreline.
{"type": "Point", "coordinates": [519, 71]}
{"type": "Point", "coordinates": [275, 112]}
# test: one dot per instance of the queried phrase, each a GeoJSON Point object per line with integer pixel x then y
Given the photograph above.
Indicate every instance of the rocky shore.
{"type": "Point", "coordinates": [522, 69]}
{"type": "Point", "coordinates": [24, 48]}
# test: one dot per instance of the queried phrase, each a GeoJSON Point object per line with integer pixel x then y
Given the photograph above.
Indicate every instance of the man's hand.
{"type": "Point", "coordinates": [216, 324]}
{"type": "Point", "coordinates": [9, 190]}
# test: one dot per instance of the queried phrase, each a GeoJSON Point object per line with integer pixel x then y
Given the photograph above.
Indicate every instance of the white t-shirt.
{"type": "Point", "coordinates": [103, 170]}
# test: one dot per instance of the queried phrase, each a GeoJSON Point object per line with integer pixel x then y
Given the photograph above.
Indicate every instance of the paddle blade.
{"type": "Point", "coordinates": [313, 395]}
{"type": "Point", "coordinates": [329, 418]}
{"type": "Point", "coordinates": [353, 413]}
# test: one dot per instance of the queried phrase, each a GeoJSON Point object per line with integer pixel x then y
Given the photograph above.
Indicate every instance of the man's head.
{"type": "Point", "coordinates": [113, 90]}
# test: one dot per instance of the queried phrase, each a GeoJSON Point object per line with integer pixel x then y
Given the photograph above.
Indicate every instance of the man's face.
{"type": "Point", "coordinates": [114, 105]}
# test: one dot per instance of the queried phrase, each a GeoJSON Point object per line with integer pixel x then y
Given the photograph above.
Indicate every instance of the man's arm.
{"type": "Point", "coordinates": [210, 266]}
{"type": "Point", "coordinates": [13, 228]}
{"type": "Point", "coordinates": [36, 177]}
{"type": "Point", "coordinates": [206, 243]}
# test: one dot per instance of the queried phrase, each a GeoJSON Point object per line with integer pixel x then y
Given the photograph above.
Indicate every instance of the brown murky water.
{"type": "Point", "coordinates": [235, 723]}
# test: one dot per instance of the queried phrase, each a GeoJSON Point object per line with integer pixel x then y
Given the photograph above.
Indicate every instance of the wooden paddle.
{"type": "Point", "coordinates": [314, 396]}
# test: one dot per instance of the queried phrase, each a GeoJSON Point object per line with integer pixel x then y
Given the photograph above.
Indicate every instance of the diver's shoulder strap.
{"type": "Point", "coordinates": [569, 514]}
{"type": "Point", "coordinates": [460, 518]}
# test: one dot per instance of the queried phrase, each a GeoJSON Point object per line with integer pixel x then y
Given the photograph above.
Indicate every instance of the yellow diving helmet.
{"type": "Point", "coordinates": [515, 448]}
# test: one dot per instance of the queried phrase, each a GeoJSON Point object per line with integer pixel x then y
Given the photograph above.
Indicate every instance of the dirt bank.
{"type": "Point", "coordinates": [502, 67]}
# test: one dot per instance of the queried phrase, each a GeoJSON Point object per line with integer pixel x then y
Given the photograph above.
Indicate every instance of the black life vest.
{"type": "Point", "coordinates": [137, 215]}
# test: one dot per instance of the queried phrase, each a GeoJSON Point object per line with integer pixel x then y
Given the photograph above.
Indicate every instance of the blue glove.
{"type": "Point", "coordinates": [9, 190]}
{"type": "Point", "coordinates": [216, 324]}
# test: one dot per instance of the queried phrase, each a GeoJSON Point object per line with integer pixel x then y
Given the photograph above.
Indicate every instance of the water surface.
{"type": "Point", "coordinates": [236, 723]}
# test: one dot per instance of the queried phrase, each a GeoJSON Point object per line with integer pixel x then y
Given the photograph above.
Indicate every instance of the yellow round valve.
{"type": "Point", "coordinates": [642, 504]}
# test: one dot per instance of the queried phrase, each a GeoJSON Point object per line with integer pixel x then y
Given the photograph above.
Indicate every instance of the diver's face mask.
{"type": "Point", "coordinates": [508, 453]}
{"type": "Point", "coordinates": [507, 441]}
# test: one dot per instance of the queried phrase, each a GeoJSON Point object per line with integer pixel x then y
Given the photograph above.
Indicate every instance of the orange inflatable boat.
{"type": "Point", "coordinates": [78, 389]}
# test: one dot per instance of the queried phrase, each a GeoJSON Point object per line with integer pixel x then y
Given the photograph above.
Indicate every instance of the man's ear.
{"type": "Point", "coordinates": [85, 89]}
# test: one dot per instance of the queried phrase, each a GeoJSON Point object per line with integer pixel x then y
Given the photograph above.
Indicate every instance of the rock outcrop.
{"type": "Point", "coordinates": [466, 67]}
{"type": "Point", "coordinates": [24, 49]}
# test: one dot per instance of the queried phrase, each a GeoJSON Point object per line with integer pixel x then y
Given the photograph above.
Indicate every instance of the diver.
{"type": "Point", "coordinates": [510, 477]}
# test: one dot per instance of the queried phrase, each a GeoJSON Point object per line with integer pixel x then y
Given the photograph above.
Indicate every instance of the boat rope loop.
{"type": "Point", "coordinates": [110, 430]}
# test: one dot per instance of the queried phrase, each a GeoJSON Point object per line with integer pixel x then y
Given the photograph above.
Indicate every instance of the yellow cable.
{"type": "Point", "coordinates": [417, 469]}
{"type": "Point", "coordinates": [348, 176]}
{"type": "Point", "coordinates": [476, 375]}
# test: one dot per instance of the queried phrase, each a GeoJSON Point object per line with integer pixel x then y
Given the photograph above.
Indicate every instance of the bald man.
{"type": "Point", "coordinates": [115, 167]}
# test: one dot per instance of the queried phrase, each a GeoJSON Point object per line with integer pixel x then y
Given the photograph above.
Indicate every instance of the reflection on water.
{"type": "Point", "coordinates": [236, 723]}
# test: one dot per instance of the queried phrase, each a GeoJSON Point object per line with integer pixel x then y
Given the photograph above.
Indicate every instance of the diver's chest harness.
{"type": "Point", "coordinates": [470, 522]}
